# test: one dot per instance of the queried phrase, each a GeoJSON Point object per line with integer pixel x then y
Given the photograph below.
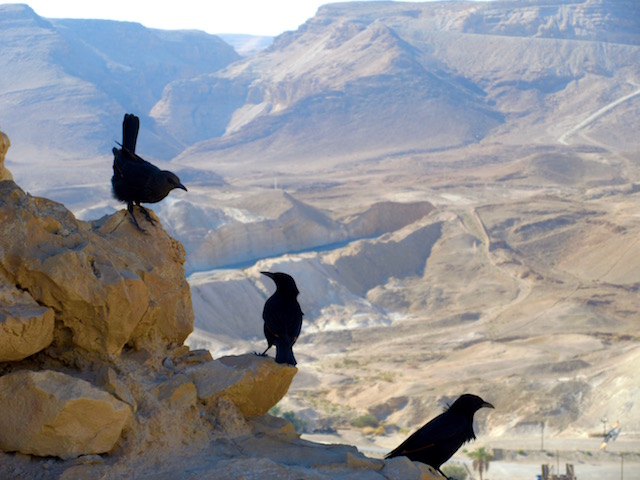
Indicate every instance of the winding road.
{"type": "Point", "coordinates": [591, 118]}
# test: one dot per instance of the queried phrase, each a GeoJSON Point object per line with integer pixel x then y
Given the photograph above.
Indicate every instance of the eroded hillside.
{"type": "Point", "coordinates": [450, 301]}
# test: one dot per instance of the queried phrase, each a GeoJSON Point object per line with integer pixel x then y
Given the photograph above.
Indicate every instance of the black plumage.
{"type": "Point", "coordinates": [439, 439]}
{"type": "Point", "coordinates": [135, 180]}
{"type": "Point", "coordinates": [282, 317]}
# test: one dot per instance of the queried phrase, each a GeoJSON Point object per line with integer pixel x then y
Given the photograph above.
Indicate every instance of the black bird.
{"type": "Point", "coordinates": [438, 440]}
{"type": "Point", "coordinates": [282, 317]}
{"type": "Point", "coordinates": [135, 180]}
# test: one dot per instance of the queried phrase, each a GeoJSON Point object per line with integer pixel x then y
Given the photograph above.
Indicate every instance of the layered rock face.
{"type": "Point", "coordinates": [108, 286]}
{"type": "Point", "coordinates": [78, 301]}
{"type": "Point", "coordinates": [25, 327]}
{"type": "Point", "coordinates": [93, 370]}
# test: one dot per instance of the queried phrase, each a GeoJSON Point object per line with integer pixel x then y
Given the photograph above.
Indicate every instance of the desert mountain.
{"type": "Point", "coordinates": [66, 84]}
{"type": "Point", "coordinates": [371, 78]}
{"type": "Point", "coordinates": [515, 259]}
{"type": "Point", "coordinates": [454, 186]}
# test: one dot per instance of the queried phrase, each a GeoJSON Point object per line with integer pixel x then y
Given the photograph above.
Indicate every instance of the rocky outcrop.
{"type": "Point", "coordinates": [88, 311]}
{"type": "Point", "coordinates": [25, 327]}
{"type": "Point", "coordinates": [252, 382]}
{"type": "Point", "coordinates": [108, 285]}
{"type": "Point", "coordinates": [50, 413]}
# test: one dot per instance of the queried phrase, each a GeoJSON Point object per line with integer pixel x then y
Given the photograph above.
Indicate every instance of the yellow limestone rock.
{"type": "Point", "coordinates": [229, 419]}
{"type": "Point", "coordinates": [108, 379]}
{"type": "Point", "coordinates": [49, 413]}
{"type": "Point", "coordinates": [178, 392]}
{"type": "Point", "coordinates": [4, 146]}
{"type": "Point", "coordinates": [109, 284]}
{"type": "Point", "coordinates": [253, 383]}
{"type": "Point", "coordinates": [273, 426]}
{"type": "Point", "coordinates": [25, 327]}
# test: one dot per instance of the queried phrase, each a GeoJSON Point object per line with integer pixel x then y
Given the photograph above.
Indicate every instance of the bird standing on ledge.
{"type": "Point", "coordinates": [282, 317]}
{"type": "Point", "coordinates": [439, 439]}
{"type": "Point", "coordinates": [135, 180]}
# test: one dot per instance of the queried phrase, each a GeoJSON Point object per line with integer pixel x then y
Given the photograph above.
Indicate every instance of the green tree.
{"type": "Point", "coordinates": [481, 459]}
{"type": "Point", "coordinates": [367, 420]}
{"type": "Point", "coordinates": [299, 424]}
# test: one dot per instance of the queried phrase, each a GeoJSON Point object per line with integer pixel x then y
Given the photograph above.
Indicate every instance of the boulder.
{"type": "Point", "coordinates": [229, 419]}
{"type": "Point", "coordinates": [108, 379]}
{"type": "Point", "coordinates": [49, 413]}
{"type": "Point", "coordinates": [4, 146]}
{"type": "Point", "coordinates": [252, 382]}
{"type": "Point", "coordinates": [25, 327]}
{"type": "Point", "coordinates": [109, 284]}
{"type": "Point", "coordinates": [273, 426]}
{"type": "Point", "coordinates": [178, 392]}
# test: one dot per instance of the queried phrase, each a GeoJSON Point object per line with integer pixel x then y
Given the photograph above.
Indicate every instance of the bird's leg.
{"type": "Point", "coordinates": [442, 473]}
{"type": "Point", "coordinates": [264, 354]}
{"type": "Point", "coordinates": [146, 214]}
{"type": "Point", "coordinates": [133, 217]}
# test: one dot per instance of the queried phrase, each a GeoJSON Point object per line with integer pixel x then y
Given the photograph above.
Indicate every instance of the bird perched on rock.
{"type": "Point", "coordinates": [439, 439]}
{"type": "Point", "coordinates": [135, 180]}
{"type": "Point", "coordinates": [282, 317]}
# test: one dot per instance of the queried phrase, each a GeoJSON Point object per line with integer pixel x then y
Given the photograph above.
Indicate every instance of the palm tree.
{"type": "Point", "coordinates": [481, 459]}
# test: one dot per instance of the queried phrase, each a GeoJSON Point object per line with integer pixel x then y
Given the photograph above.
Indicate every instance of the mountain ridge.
{"type": "Point", "coordinates": [463, 204]}
{"type": "Point", "coordinates": [76, 63]}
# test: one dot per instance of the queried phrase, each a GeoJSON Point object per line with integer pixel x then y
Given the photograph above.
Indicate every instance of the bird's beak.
{"type": "Point", "coordinates": [268, 274]}
{"type": "Point", "coordinates": [182, 187]}
{"type": "Point", "coordinates": [487, 405]}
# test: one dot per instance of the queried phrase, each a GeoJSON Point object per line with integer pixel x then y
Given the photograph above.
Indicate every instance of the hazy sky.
{"type": "Point", "coordinates": [258, 17]}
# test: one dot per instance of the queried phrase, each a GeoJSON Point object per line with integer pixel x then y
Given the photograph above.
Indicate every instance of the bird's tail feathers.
{"type": "Point", "coordinates": [284, 354]}
{"type": "Point", "coordinates": [130, 127]}
{"type": "Point", "coordinates": [130, 155]}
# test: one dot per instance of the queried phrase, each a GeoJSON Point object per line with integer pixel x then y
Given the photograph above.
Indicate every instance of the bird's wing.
{"type": "Point", "coordinates": [130, 127]}
{"type": "Point", "coordinates": [408, 447]}
{"type": "Point", "coordinates": [283, 318]}
{"type": "Point", "coordinates": [446, 428]}
{"type": "Point", "coordinates": [297, 327]}
{"type": "Point", "coordinates": [131, 166]}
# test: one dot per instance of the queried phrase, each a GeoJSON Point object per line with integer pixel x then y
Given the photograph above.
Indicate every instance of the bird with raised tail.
{"type": "Point", "coordinates": [135, 180]}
